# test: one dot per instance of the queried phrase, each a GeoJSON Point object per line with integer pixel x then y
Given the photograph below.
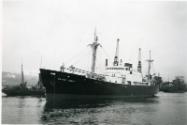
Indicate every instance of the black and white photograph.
{"type": "Point", "coordinates": [94, 62]}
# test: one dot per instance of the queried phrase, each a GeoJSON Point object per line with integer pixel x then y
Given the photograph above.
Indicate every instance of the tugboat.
{"type": "Point", "coordinates": [119, 79]}
{"type": "Point", "coordinates": [23, 90]}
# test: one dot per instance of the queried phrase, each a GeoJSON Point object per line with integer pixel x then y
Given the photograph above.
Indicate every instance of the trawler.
{"type": "Point", "coordinates": [23, 90]}
{"type": "Point", "coordinates": [119, 79]}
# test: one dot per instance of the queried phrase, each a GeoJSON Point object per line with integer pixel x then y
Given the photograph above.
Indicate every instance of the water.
{"type": "Point", "coordinates": [165, 109]}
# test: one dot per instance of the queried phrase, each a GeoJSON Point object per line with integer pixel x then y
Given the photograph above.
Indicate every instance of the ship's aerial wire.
{"type": "Point", "coordinates": [76, 55]}
{"type": "Point", "coordinates": [105, 52]}
{"type": "Point", "coordinates": [79, 57]}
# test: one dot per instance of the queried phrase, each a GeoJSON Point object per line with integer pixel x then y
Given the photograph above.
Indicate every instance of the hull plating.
{"type": "Point", "coordinates": [61, 83]}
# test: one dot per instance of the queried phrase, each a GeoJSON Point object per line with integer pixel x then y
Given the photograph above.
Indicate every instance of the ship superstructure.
{"type": "Point", "coordinates": [122, 73]}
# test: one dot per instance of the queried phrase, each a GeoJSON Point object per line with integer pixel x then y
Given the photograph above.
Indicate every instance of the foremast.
{"type": "Point", "coordinates": [23, 83]}
{"type": "Point", "coordinates": [22, 74]}
{"type": "Point", "coordinates": [94, 47]}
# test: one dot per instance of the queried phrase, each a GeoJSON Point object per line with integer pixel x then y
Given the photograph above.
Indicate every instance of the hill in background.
{"type": "Point", "coordinates": [12, 79]}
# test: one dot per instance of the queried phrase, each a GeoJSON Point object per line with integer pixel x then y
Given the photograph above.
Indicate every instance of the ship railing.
{"type": "Point", "coordinates": [115, 76]}
{"type": "Point", "coordinates": [88, 74]}
{"type": "Point", "coordinates": [92, 75]}
{"type": "Point", "coordinates": [76, 70]}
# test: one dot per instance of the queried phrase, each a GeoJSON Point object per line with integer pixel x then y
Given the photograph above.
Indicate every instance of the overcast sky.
{"type": "Point", "coordinates": [60, 30]}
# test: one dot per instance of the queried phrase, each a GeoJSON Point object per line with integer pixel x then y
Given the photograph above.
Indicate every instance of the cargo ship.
{"type": "Point", "coordinates": [119, 79]}
{"type": "Point", "coordinates": [23, 90]}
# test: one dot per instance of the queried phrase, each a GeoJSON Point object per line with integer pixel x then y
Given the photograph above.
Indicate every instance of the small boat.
{"type": "Point", "coordinates": [23, 90]}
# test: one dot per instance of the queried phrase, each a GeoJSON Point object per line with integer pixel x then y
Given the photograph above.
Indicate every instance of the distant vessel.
{"type": "Point", "coordinates": [119, 80]}
{"type": "Point", "coordinates": [176, 86]}
{"type": "Point", "coordinates": [23, 90]}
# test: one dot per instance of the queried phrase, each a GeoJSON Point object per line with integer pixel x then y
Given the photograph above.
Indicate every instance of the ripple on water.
{"type": "Point", "coordinates": [165, 109]}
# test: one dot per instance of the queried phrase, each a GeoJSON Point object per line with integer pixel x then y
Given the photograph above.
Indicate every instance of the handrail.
{"type": "Point", "coordinates": [78, 70]}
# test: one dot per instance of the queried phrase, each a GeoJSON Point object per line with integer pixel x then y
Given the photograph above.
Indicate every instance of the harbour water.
{"type": "Point", "coordinates": [164, 109]}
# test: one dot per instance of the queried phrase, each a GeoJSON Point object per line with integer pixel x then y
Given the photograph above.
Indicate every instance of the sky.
{"type": "Point", "coordinates": [47, 33]}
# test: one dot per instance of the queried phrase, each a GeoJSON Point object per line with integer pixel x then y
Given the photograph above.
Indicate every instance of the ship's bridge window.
{"type": "Point", "coordinates": [123, 80]}
{"type": "Point", "coordinates": [53, 73]}
{"type": "Point", "coordinates": [129, 82]}
{"type": "Point", "coordinates": [115, 68]}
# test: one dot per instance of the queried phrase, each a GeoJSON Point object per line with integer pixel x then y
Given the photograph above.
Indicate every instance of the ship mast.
{"type": "Point", "coordinates": [23, 83]}
{"type": "Point", "coordinates": [139, 68]}
{"type": "Point", "coordinates": [22, 74]}
{"type": "Point", "coordinates": [94, 46]}
{"type": "Point", "coordinates": [39, 85]}
{"type": "Point", "coordinates": [116, 59]}
{"type": "Point", "coordinates": [149, 65]}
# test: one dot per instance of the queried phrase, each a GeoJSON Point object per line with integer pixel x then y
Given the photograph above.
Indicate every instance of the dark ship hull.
{"type": "Point", "coordinates": [18, 91]}
{"type": "Point", "coordinates": [73, 85]}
